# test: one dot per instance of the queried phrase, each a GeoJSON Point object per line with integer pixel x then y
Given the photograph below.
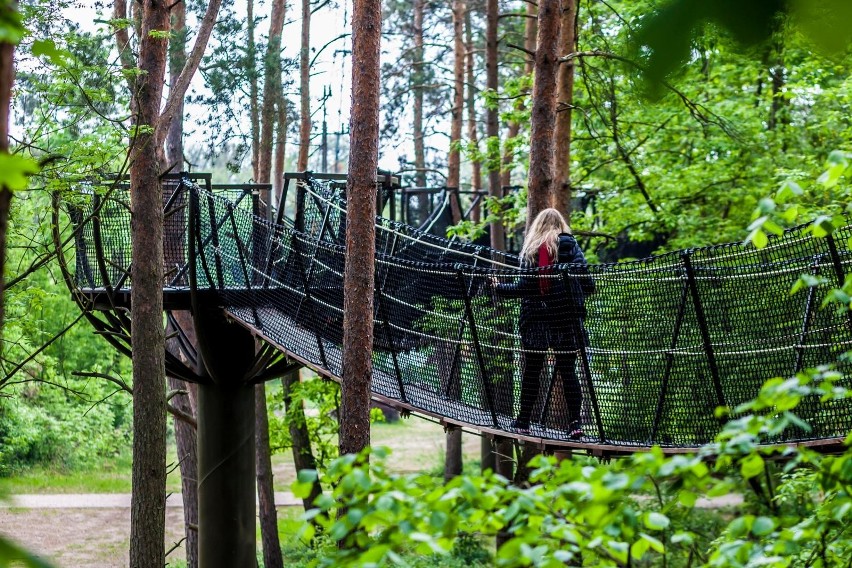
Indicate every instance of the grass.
{"type": "Point", "coordinates": [110, 475]}
{"type": "Point", "coordinates": [416, 445]}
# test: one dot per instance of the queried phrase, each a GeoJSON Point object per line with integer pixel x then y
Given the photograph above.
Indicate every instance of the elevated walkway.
{"type": "Point", "coordinates": [670, 337]}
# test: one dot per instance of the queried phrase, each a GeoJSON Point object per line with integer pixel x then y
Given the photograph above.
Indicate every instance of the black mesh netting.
{"type": "Point", "coordinates": [639, 353]}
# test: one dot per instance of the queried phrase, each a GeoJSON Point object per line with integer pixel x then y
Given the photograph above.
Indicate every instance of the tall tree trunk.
{"type": "Point", "coordinates": [177, 59]}
{"type": "Point", "coordinates": [492, 125]}
{"type": "Point", "coordinates": [565, 102]}
{"type": "Point", "coordinates": [7, 77]}
{"type": "Point", "coordinates": [359, 271]}
{"type": "Point", "coordinates": [303, 457]}
{"type": "Point", "coordinates": [453, 461]}
{"type": "Point", "coordinates": [501, 446]}
{"type": "Point", "coordinates": [185, 434]}
{"type": "Point", "coordinates": [148, 501]}
{"type": "Point", "coordinates": [305, 89]}
{"type": "Point", "coordinates": [265, 487]}
{"type": "Point", "coordinates": [267, 512]}
{"type": "Point", "coordinates": [541, 174]}
{"type": "Point", "coordinates": [187, 451]}
{"type": "Point", "coordinates": [417, 87]}
{"type": "Point", "coordinates": [472, 132]}
{"type": "Point", "coordinates": [251, 68]}
{"type": "Point", "coordinates": [454, 159]}
{"type": "Point", "coordinates": [530, 30]}
{"type": "Point", "coordinates": [280, 148]}
{"type": "Point", "coordinates": [271, 90]}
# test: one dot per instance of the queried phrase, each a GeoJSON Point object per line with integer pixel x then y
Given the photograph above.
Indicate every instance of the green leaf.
{"type": "Point", "coordinates": [762, 526]}
{"type": "Point", "coordinates": [656, 521]}
{"type": "Point", "coordinates": [822, 226]}
{"type": "Point", "coordinates": [788, 190]}
{"type": "Point", "coordinates": [47, 48]}
{"type": "Point", "coordinates": [751, 466]}
{"type": "Point", "coordinates": [12, 554]}
{"type": "Point", "coordinates": [15, 171]}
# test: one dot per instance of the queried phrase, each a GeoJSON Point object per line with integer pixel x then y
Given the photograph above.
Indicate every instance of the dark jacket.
{"type": "Point", "coordinates": [553, 317]}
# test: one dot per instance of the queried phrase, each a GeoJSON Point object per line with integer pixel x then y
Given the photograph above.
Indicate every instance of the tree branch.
{"type": "Point", "coordinates": [524, 49]}
{"type": "Point", "coordinates": [115, 380]}
{"type": "Point", "coordinates": [178, 89]}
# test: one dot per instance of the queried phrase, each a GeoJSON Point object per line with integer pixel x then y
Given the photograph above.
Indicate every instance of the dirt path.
{"type": "Point", "coordinates": [82, 538]}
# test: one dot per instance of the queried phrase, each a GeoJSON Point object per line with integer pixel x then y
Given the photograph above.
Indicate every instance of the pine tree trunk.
{"type": "Point", "coordinates": [148, 502]}
{"type": "Point", "coordinates": [359, 271]}
{"type": "Point", "coordinates": [455, 460]}
{"type": "Point", "coordinates": [543, 119]}
{"type": "Point", "coordinates": [187, 453]}
{"type": "Point", "coordinates": [7, 78]}
{"type": "Point", "coordinates": [492, 125]}
{"type": "Point", "coordinates": [565, 101]}
{"type": "Point", "coordinates": [177, 59]}
{"type": "Point", "coordinates": [267, 512]}
{"type": "Point", "coordinates": [472, 133]}
{"type": "Point", "coordinates": [265, 486]}
{"type": "Point", "coordinates": [530, 30]}
{"type": "Point", "coordinates": [305, 89]}
{"type": "Point", "coordinates": [185, 434]}
{"type": "Point", "coordinates": [454, 159]}
{"type": "Point", "coordinates": [271, 90]}
{"type": "Point", "coordinates": [251, 64]}
{"type": "Point", "coordinates": [417, 87]}
{"type": "Point", "coordinates": [303, 456]}
{"type": "Point", "coordinates": [280, 148]}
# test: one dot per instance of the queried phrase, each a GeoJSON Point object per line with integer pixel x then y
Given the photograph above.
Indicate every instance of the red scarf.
{"type": "Point", "coordinates": [544, 259]}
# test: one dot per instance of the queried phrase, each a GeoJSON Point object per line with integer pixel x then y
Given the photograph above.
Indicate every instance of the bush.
{"type": "Point", "coordinates": [639, 511]}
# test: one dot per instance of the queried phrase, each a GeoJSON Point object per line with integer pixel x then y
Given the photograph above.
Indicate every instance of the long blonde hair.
{"type": "Point", "coordinates": [545, 229]}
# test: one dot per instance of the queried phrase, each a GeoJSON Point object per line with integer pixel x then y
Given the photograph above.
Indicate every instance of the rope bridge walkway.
{"type": "Point", "coordinates": [652, 348]}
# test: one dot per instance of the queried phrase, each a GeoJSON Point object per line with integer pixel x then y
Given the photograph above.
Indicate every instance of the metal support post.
{"type": "Point", "coordinates": [486, 381]}
{"type": "Point", "coordinates": [664, 386]}
{"type": "Point", "coordinates": [702, 326]}
{"type": "Point", "coordinates": [226, 476]}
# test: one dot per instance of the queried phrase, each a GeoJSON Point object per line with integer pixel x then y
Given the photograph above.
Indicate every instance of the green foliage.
{"type": "Point", "coordinates": [322, 399]}
{"type": "Point", "coordinates": [637, 511]}
{"type": "Point", "coordinates": [13, 555]}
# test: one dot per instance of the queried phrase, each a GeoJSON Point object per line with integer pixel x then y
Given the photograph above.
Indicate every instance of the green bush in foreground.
{"type": "Point", "coordinates": [639, 511]}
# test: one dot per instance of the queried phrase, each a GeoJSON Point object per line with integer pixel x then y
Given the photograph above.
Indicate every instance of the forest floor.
{"type": "Point", "coordinates": [99, 534]}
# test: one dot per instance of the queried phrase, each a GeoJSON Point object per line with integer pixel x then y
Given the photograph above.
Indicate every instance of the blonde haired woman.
{"type": "Point", "coordinates": [552, 313]}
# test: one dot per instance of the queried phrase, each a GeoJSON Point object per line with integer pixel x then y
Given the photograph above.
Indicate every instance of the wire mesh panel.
{"type": "Point", "coordinates": [628, 354]}
{"type": "Point", "coordinates": [633, 353]}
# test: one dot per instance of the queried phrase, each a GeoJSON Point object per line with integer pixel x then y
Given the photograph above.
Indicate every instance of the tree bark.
{"type": "Point", "coordinates": [265, 487]}
{"type": "Point", "coordinates": [177, 60]}
{"type": "Point", "coordinates": [492, 125]}
{"type": "Point", "coordinates": [359, 271]}
{"type": "Point", "coordinates": [181, 84]}
{"type": "Point", "coordinates": [267, 512]}
{"type": "Point", "coordinates": [454, 159]}
{"type": "Point", "coordinates": [530, 30]}
{"type": "Point", "coordinates": [472, 132]}
{"type": "Point", "coordinates": [280, 148]}
{"type": "Point", "coordinates": [7, 78]}
{"type": "Point", "coordinates": [185, 434]}
{"type": "Point", "coordinates": [305, 89]}
{"type": "Point", "coordinates": [542, 155]}
{"type": "Point", "coordinates": [148, 501]}
{"type": "Point", "coordinates": [417, 87]}
{"type": "Point", "coordinates": [187, 450]}
{"type": "Point", "coordinates": [455, 461]}
{"type": "Point", "coordinates": [251, 68]}
{"type": "Point", "coordinates": [303, 456]}
{"type": "Point", "coordinates": [271, 90]}
{"type": "Point", "coordinates": [565, 102]}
